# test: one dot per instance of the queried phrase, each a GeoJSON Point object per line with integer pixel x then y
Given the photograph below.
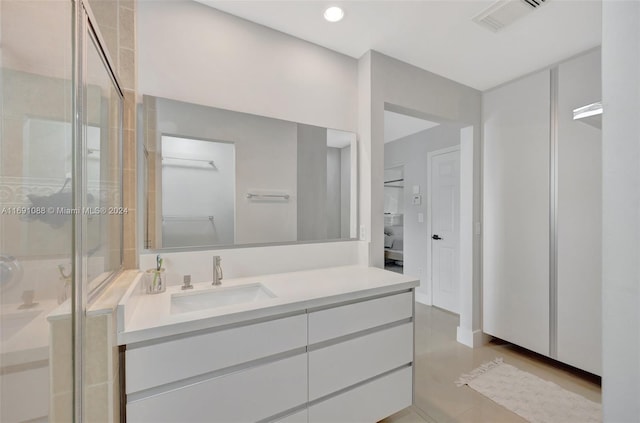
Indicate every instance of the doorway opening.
{"type": "Point", "coordinates": [393, 219]}
{"type": "Point", "coordinates": [422, 205]}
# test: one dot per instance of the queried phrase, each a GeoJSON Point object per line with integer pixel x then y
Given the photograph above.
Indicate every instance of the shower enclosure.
{"type": "Point", "coordinates": [60, 201]}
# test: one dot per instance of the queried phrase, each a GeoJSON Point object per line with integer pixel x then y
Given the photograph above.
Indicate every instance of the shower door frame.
{"type": "Point", "coordinates": [86, 33]}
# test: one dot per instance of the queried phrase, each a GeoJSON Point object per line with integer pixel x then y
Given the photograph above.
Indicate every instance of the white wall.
{"type": "Point", "coordinates": [253, 261]}
{"type": "Point", "coordinates": [45, 52]}
{"type": "Point", "coordinates": [388, 83]}
{"type": "Point", "coordinates": [366, 177]}
{"type": "Point", "coordinates": [397, 86]}
{"type": "Point", "coordinates": [195, 189]}
{"type": "Point", "coordinates": [266, 157]}
{"type": "Point", "coordinates": [469, 331]}
{"type": "Point", "coordinates": [242, 66]}
{"type": "Point", "coordinates": [411, 152]}
{"type": "Point", "coordinates": [245, 67]}
{"type": "Point", "coordinates": [621, 211]}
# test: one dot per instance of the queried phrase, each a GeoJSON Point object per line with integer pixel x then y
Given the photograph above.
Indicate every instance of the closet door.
{"type": "Point", "coordinates": [579, 216]}
{"type": "Point", "coordinates": [516, 212]}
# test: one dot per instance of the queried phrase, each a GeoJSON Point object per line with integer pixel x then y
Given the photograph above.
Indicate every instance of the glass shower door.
{"type": "Point", "coordinates": [35, 190]}
{"type": "Point", "coordinates": [101, 226]}
{"type": "Point", "coordinates": [61, 212]}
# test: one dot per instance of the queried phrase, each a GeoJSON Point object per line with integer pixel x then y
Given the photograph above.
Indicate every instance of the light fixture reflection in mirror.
{"type": "Point", "coordinates": [216, 177]}
{"type": "Point", "coordinates": [587, 111]}
{"type": "Point", "coordinates": [590, 114]}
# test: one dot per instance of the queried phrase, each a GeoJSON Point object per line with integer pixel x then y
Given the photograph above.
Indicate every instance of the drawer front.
{"type": "Point", "coordinates": [299, 417]}
{"type": "Point", "coordinates": [341, 365]}
{"type": "Point", "coordinates": [339, 321]}
{"type": "Point", "coordinates": [368, 403]}
{"type": "Point", "coordinates": [166, 362]}
{"type": "Point", "coordinates": [244, 396]}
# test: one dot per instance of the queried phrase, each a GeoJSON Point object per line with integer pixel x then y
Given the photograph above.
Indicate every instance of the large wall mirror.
{"type": "Point", "coordinates": [216, 177]}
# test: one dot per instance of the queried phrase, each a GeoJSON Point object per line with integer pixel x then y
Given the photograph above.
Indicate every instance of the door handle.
{"type": "Point", "coordinates": [436, 237]}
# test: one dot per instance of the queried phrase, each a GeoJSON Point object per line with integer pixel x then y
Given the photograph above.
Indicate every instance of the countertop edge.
{"type": "Point", "coordinates": [154, 334]}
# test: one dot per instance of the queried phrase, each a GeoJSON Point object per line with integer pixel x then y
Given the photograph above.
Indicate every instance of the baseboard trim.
{"type": "Point", "coordinates": [471, 339]}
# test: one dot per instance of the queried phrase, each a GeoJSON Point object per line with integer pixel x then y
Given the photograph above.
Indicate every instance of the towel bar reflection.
{"type": "Point", "coordinates": [184, 162]}
{"type": "Point", "coordinates": [267, 196]}
{"type": "Point", "coordinates": [176, 218]}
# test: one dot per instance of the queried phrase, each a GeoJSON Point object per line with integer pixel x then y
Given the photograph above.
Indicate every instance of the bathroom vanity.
{"type": "Point", "coordinates": [325, 345]}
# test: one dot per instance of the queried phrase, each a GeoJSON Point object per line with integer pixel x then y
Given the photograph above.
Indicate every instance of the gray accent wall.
{"type": "Point", "coordinates": [312, 180]}
{"type": "Point", "coordinates": [345, 192]}
{"type": "Point", "coordinates": [334, 197]}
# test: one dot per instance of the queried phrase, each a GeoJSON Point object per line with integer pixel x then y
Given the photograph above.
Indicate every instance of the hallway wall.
{"type": "Point", "coordinates": [411, 151]}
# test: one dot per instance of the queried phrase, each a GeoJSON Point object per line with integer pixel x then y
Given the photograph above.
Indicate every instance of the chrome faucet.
{"type": "Point", "coordinates": [217, 271]}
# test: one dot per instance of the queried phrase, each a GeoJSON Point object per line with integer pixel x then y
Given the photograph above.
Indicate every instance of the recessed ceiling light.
{"type": "Point", "coordinates": [334, 14]}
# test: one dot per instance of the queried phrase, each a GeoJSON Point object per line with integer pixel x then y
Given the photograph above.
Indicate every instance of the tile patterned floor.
{"type": "Point", "coordinates": [440, 360]}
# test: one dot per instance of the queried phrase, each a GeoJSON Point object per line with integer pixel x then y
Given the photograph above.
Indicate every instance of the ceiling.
{"type": "Point", "coordinates": [436, 35]}
{"type": "Point", "coordinates": [398, 126]}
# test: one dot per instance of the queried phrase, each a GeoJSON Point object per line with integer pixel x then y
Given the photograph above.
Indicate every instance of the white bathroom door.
{"type": "Point", "coordinates": [445, 229]}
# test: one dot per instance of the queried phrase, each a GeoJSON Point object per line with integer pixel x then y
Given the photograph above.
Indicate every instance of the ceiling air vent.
{"type": "Point", "coordinates": [505, 12]}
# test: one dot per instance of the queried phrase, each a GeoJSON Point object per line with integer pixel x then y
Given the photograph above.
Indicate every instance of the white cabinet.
{"type": "Point", "coordinates": [248, 395]}
{"type": "Point", "coordinates": [325, 363]}
{"type": "Point", "coordinates": [579, 217]}
{"type": "Point", "coordinates": [356, 347]}
{"type": "Point", "coordinates": [542, 261]}
{"type": "Point", "coordinates": [516, 212]}
{"type": "Point", "coordinates": [298, 417]}
{"type": "Point", "coordinates": [185, 357]}
{"type": "Point", "coordinates": [230, 375]}
{"type": "Point", "coordinates": [338, 321]}
{"type": "Point", "coordinates": [347, 363]}
{"type": "Point", "coordinates": [369, 402]}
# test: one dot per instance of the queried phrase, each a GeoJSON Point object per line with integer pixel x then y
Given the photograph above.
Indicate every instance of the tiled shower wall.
{"type": "Point", "coordinates": [153, 171]}
{"type": "Point", "coordinates": [116, 21]}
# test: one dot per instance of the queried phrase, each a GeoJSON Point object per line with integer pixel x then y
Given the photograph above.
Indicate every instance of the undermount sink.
{"type": "Point", "coordinates": [219, 297]}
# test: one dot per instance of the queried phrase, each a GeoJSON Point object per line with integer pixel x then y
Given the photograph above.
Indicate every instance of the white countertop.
{"type": "Point", "coordinates": [143, 317]}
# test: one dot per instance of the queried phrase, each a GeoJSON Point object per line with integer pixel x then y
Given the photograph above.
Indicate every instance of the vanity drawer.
{"type": "Point", "coordinates": [245, 396]}
{"type": "Point", "coordinates": [157, 364]}
{"type": "Point", "coordinates": [350, 318]}
{"type": "Point", "coordinates": [344, 364]}
{"type": "Point", "coordinates": [370, 402]}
